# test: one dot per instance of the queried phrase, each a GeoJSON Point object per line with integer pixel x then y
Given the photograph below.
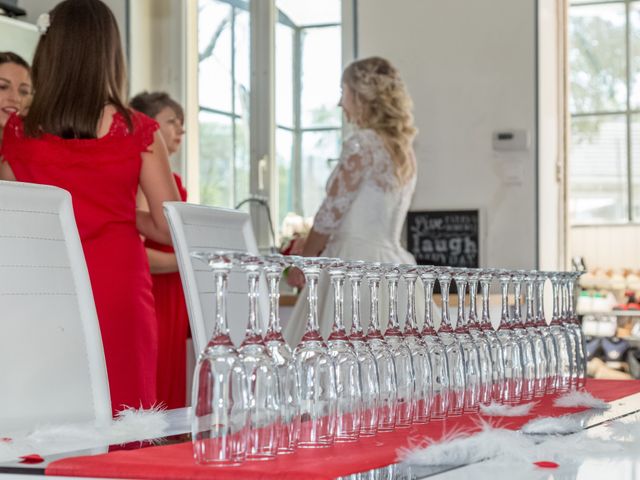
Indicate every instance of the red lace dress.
{"type": "Point", "coordinates": [173, 329]}
{"type": "Point", "coordinates": [102, 176]}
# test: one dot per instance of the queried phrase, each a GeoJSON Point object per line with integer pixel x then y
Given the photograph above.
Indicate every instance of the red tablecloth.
{"type": "Point", "coordinates": [176, 461]}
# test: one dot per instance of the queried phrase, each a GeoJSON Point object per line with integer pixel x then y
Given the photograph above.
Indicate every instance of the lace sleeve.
{"type": "Point", "coordinates": [343, 185]}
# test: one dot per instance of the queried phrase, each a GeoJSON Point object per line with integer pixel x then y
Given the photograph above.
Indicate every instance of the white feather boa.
{"type": "Point", "coordinates": [577, 398]}
{"type": "Point", "coordinates": [514, 448]}
{"type": "Point", "coordinates": [553, 425]}
{"type": "Point", "coordinates": [495, 409]}
{"type": "Point", "coordinates": [130, 425]}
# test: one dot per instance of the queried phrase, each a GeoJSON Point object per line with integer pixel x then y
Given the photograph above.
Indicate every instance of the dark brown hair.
{"type": "Point", "coordinates": [10, 57]}
{"type": "Point", "coordinates": [78, 69]}
{"type": "Point", "coordinates": [152, 103]}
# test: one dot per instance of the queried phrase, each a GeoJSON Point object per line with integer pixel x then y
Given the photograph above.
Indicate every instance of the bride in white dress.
{"type": "Point", "coordinates": [369, 192]}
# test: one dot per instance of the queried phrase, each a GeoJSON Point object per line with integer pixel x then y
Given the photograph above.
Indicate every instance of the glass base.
{"type": "Point", "coordinates": [260, 458]}
{"type": "Point", "coordinates": [313, 445]}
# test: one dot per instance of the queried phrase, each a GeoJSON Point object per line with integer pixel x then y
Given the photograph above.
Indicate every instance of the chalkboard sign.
{"type": "Point", "coordinates": [444, 238]}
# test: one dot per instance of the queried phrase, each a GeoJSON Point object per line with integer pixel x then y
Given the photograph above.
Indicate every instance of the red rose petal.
{"type": "Point", "coordinates": [33, 458]}
{"type": "Point", "coordinates": [546, 464]}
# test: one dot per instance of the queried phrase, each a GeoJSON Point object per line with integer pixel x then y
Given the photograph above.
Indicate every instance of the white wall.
{"type": "Point", "coordinates": [157, 63]}
{"type": "Point", "coordinates": [607, 246]}
{"type": "Point", "coordinates": [470, 67]}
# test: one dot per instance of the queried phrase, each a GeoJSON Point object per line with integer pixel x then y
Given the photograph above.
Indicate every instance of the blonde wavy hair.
{"type": "Point", "coordinates": [383, 104]}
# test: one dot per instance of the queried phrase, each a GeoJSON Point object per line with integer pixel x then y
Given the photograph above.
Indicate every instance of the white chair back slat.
{"type": "Point", "coordinates": [202, 228]}
{"type": "Point", "coordinates": [52, 367]}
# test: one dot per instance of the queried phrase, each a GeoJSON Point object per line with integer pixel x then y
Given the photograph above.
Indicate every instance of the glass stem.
{"type": "Point", "coordinates": [517, 306]}
{"type": "Point", "coordinates": [556, 298]}
{"type": "Point", "coordinates": [540, 301]}
{"type": "Point", "coordinates": [356, 325]}
{"type": "Point", "coordinates": [444, 291]}
{"type": "Point", "coordinates": [311, 276]}
{"type": "Point", "coordinates": [564, 290]}
{"type": "Point", "coordinates": [571, 309]}
{"type": "Point", "coordinates": [252, 277]}
{"type": "Point", "coordinates": [484, 284]}
{"type": "Point", "coordinates": [273, 281]}
{"type": "Point", "coordinates": [504, 314]}
{"type": "Point", "coordinates": [410, 321]}
{"type": "Point", "coordinates": [374, 289]}
{"type": "Point", "coordinates": [462, 288]}
{"type": "Point", "coordinates": [392, 282]}
{"type": "Point", "coordinates": [473, 314]}
{"type": "Point", "coordinates": [220, 325]}
{"type": "Point", "coordinates": [529, 300]}
{"type": "Point", "coordinates": [428, 301]}
{"type": "Point", "coordinates": [337, 282]}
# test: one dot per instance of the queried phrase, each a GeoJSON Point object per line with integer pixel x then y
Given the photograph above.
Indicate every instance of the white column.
{"type": "Point", "coordinates": [262, 121]}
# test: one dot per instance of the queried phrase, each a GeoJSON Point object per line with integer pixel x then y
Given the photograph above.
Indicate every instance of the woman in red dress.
{"type": "Point", "coordinates": [171, 309]}
{"type": "Point", "coordinates": [79, 136]}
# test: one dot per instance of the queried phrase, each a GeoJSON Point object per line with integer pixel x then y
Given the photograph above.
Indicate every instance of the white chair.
{"type": "Point", "coordinates": [202, 228]}
{"type": "Point", "coordinates": [52, 367]}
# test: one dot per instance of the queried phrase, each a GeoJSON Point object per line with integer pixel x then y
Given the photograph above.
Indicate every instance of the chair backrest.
{"type": "Point", "coordinates": [52, 367]}
{"type": "Point", "coordinates": [202, 228]}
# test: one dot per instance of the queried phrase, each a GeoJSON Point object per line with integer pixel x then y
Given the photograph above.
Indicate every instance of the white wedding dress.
{"type": "Point", "coordinates": [363, 212]}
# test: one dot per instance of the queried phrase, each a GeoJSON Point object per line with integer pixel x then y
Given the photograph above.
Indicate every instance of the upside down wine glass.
{"type": "Point", "coordinates": [220, 409]}
{"type": "Point", "coordinates": [316, 369]}
{"type": "Point", "coordinates": [282, 355]}
{"type": "Point", "coordinates": [452, 348]}
{"type": "Point", "coordinates": [536, 337]}
{"type": "Point", "coordinates": [512, 352]}
{"type": "Point", "coordinates": [348, 386]}
{"type": "Point", "coordinates": [470, 356]}
{"type": "Point", "coordinates": [369, 378]}
{"type": "Point", "coordinates": [262, 372]}
{"type": "Point", "coordinates": [574, 325]}
{"type": "Point", "coordinates": [435, 349]}
{"type": "Point", "coordinates": [388, 386]}
{"type": "Point", "coordinates": [565, 321]}
{"type": "Point", "coordinates": [549, 340]}
{"type": "Point", "coordinates": [480, 339]}
{"type": "Point", "coordinates": [423, 390]}
{"type": "Point", "coordinates": [523, 339]}
{"type": "Point", "coordinates": [497, 353]}
{"type": "Point", "coordinates": [405, 376]}
{"type": "Point", "coordinates": [560, 336]}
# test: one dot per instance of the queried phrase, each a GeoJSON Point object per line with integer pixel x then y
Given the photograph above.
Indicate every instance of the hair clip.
{"type": "Point", "coordinates": [43, 23]}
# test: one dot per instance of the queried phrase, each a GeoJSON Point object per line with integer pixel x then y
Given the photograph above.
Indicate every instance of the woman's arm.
{"type": "Point", "coordinates": [158, 185]}
{"type": "Point", "coordinates": [6, 173]}
{"type": "Point", "coordinates": [315, 243]}
{"type": "Point", "coordinates": [162, 262]}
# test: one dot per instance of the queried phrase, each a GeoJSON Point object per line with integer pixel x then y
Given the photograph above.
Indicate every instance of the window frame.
{"type": "Point", "coordinates": [628, 113]}
{"type": "Point", "coordinates": [297, 130]}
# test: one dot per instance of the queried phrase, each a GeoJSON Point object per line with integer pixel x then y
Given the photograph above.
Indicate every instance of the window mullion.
{"type": "Point", "coordinates": [296, 164]}
{"type": "Point", "coordinates": [627, 113]}
{"type": "Point", "coordinates": [262, 159]}
{"type": "Point", "coordinates": [234, 152]}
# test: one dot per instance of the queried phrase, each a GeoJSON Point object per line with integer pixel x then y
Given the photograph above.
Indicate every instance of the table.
{"type": "Point", "coordinates": [624, 410]}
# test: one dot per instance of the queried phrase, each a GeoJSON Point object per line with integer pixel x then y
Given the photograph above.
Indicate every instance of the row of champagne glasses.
{"type": "Point", "coordinates": [264, 399]}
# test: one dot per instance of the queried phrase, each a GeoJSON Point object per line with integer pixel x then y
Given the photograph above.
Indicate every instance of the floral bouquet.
{"type": "Point", "coordinates": [293, 235]}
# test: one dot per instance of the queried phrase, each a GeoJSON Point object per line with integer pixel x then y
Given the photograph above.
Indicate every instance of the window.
{"type": "Point", "coordinates": [308, 119]}
{"type": "Point", "coordinates": [223, 38]}
{"type": "Point", "coordinates": [604, 75]}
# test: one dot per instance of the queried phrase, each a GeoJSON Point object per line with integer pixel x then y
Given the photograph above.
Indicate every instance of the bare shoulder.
{"type": "Point", "coordinates": [104, 124]}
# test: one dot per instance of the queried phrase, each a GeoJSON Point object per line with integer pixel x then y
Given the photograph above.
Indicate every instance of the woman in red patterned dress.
{"type": "Point", "coordinates": [171, 309]}
{"type": "Point", "coordinates": [78, 135]}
